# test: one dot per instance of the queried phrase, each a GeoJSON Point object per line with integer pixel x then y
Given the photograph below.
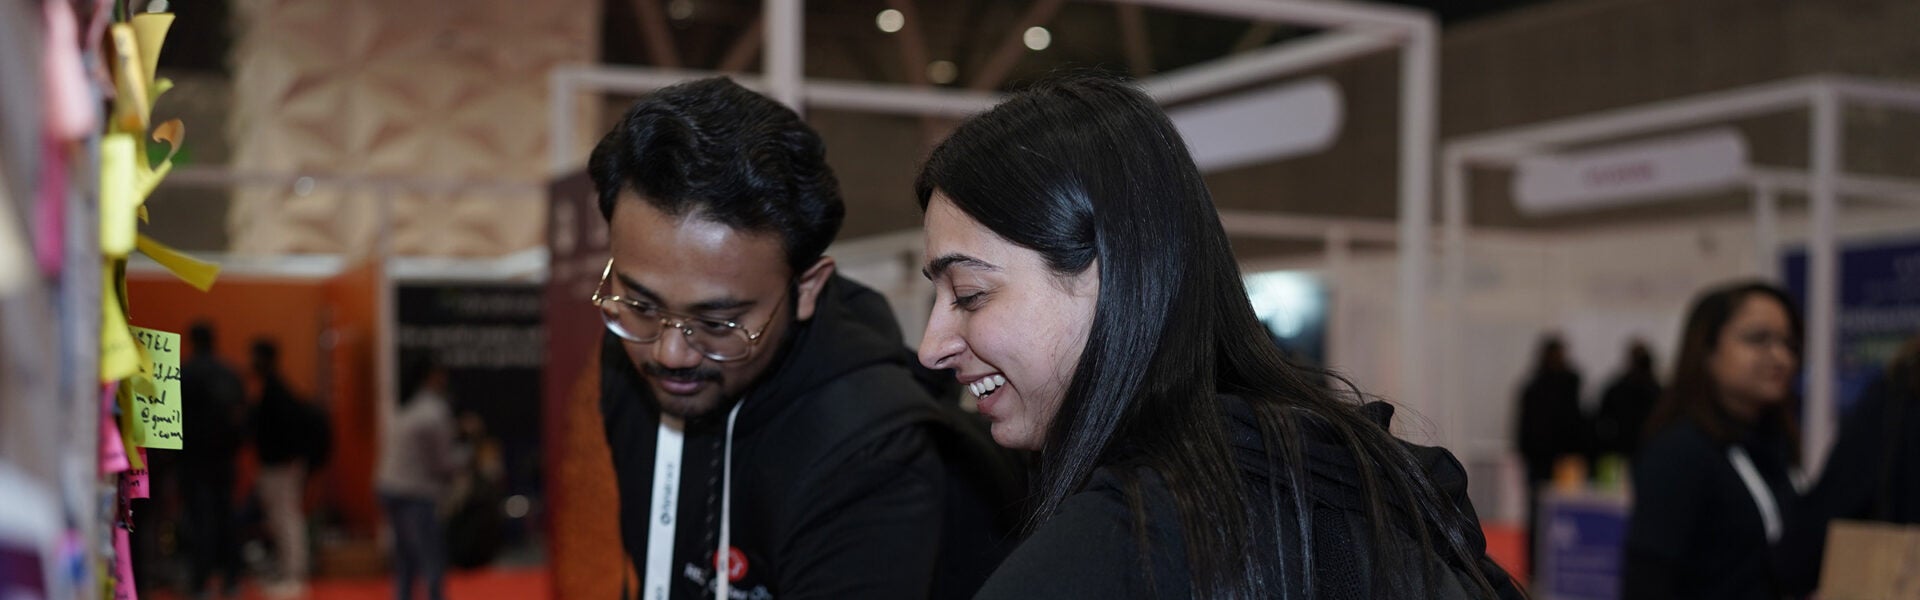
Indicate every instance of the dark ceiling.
{"type": "Point", "coordinates": [843, 41]}
{"type": "Point", "coordinates": [1085, 33]}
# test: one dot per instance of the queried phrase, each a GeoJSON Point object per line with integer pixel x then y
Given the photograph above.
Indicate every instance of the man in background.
{"type": "Point", "coordinates": [1626, 404]}
{"type": "Point", "coordinates": [1551, 425]}
{"type": "Point", "coordinates": [213, 394]}
{"type": "Point", "coordinates": [418, 463]}
{"type": "Point", "coordinates": [291, 440]}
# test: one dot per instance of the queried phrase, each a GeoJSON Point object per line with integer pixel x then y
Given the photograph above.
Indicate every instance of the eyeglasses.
{"type": "Point", "coordinates": [642, 322]}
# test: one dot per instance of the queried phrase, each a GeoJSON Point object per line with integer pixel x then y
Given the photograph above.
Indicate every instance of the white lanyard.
{"type": "Point", "coordinates": [1762, 496]}
{"type": "Point", "coordinates": [668, 452]}
{"type": "Point", "coordinates": [724, 570]}
{"type": "Point", "coordinates": [666, 503]}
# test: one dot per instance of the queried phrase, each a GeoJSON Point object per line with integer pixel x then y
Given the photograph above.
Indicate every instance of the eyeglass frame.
{"type": "Point", "coordinates": [679, 321]}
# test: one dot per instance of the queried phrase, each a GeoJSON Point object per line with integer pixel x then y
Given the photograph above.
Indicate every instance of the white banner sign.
{"type": "Point", "coordinates": [1635, 172]}
{"type": "Point", "coordinates": [1261, 125]}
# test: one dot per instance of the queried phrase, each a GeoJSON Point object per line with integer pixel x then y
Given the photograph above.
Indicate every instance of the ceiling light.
{"type": "Point", "coordinates": [942, 72]}
{"type": "Point", "coordinates": [1038, 38]}
{"type": "Point", "coordinates": [890, 20]}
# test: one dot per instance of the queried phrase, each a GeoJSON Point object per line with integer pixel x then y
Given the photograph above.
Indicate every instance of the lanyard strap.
{"type": "Point", "coordinates": [667, 454]}
{"type": "Point", "coordinates": [1762, 496]}
{"type": "Point", "coordinates": [723, 570]}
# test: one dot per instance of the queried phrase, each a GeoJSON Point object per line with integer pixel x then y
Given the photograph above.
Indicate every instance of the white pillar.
{"type": "Point", "coordinates": [1454, 215]}
{"type": "Point", "coordinates": [385, 338]}
{"type": "Point", "coordinates": [1823, 280]}
{"type": "Point", "coordinates": [1418, 96]}
{"type": "Point", "coordinates": [559, 122]}
{"type": "Point", "coordinates": [784, 53]}
{"type": "Point", "coordinates": [1766, 232]}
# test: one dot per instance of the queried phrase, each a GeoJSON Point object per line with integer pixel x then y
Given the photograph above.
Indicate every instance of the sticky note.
{"type": "Point", "coordinates": [133, 484]}
{"type": "Point", "coordinates": [124, 406]}
{"type": "Point", "coordinates": [119, 194]}
{"type": "Point", "coordinates": [154, 419]}
{"type": "Point", "coordinates": [131, 107]}
{"type": "Point", "coordinates": [50, 213]}
{"type": "Point", "coordinates": [119, 357]}
{"type": "Point", "coordinates": [146, 176]}
{"type": "Point", "coordinates": [174, 133]}
{"type": "Point", "coordinates": [123, 588]}
{"type": "Point", "coordinates": [113, 448]}
{"type": "Point", "coordinates": [150, 29]}
{"type": "Point", "coordinates": [197, 273]}
{"type": "Point", "coordinates": [16, 253]}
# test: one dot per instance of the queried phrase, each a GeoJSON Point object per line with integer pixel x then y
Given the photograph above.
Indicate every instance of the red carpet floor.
{"type": "Point", "coordinates": [1507, 545]}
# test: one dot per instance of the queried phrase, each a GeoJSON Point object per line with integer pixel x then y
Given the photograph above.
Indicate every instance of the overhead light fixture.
{"type": "Point", "coordinates": [942, 72]}
{"type": "Point", "coordinates": [680, 10]}
{"type": "Point", "coordinates": [1038, 38]}
{"type": "Point", "coordinates": [890, 20]}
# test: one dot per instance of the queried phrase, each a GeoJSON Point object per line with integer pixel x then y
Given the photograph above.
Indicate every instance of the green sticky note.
{"type": "Point", "coordinates": [154, 420]}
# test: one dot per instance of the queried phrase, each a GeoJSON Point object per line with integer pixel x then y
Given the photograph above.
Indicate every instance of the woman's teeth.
{"type": "Point", "coordinates": [986, 385]}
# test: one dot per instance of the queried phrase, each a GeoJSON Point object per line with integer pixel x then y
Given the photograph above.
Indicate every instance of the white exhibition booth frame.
{"type": "Point", "coordinates": [1350, 30]}
{"type": "Point", "coordinates": [1824, 183]}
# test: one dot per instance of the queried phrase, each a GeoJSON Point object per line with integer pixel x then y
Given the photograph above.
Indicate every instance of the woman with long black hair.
{"type": "Point", "coordinates": [1087, 295]}
{"type": "Point", "coordinates": [1712, 495]}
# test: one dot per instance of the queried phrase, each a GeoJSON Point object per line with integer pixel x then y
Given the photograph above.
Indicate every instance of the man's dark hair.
{"type": "Point", "coordinates": [266, 355]}
{"type": "Point", "coordinates": [418, 366]}
{"type": "Point", "coordinates": [200, 337]}
{"type": "Point", "coordinates": [712, 149]}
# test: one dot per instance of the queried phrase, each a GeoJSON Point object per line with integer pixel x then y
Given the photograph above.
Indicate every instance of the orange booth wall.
{"type": "Point", "coordinates": [325, 329]}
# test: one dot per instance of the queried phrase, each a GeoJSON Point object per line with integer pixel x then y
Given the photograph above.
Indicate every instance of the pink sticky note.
{"type": "Point", "coordinates": [133, 484]}
{"type": "Point", "coordinates": [113, 452]}
{"type": "Point", "coordinates": [123, 566]}
{"type": "Point", "coordinates": [70, 109]}
{"type": "Point", "coordinates": [49, 214]}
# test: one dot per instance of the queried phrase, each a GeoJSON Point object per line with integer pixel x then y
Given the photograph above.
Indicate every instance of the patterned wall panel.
{"type": "Point", "coordinates": [409, 89]}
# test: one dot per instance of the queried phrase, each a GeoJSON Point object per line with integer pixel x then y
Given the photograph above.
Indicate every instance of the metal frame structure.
{"type": "Point", "coordinates": [1825, 96]}
{"type": "Point", "coordinates": [1351, 29]}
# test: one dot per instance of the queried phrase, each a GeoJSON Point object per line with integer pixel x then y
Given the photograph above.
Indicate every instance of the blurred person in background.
{"type": "Point", "coordinates": [418, 462]}
{"type": "Point", "coordinates": [1872, 474]}
{"type": "Point", "coordinates": [291, 441]}
{"type": "Point", "coordinates": [1085, 292]}
{"type": "Point", "coordinates": [214, 394]}
{"type": "Point", "coordinates": [476, 505]}
{"type": "Point", "coordinates": [1550, 424]}
{"type": "Point", "coordinates": [1626, 404]}
{"type": "Point", "coordinates": [1711, 486]}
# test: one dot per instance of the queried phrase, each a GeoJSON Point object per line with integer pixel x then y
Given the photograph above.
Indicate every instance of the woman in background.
{"type": "Point", "coordinates": [1711, 487]}
{"type": "Point", "coordinates": [1087, 296]}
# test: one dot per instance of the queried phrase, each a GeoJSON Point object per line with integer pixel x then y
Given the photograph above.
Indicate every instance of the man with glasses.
{"type": "Point", "coordinates": [763, 416]}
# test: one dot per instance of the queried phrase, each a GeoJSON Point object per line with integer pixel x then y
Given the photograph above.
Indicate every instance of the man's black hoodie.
{"type": "Point", "coordinates": [849, 479]}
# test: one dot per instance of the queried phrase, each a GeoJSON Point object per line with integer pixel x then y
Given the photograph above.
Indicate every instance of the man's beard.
{"type": "Point", "coordinates": [715, 399]}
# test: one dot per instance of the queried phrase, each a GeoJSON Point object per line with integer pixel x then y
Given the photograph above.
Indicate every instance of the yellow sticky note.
{"type": "Point", "coordinates": [197, 273]}
{"type": "Point", "coordinates": [155, 418]}
{"type": "Point", "coordinates": [145, 179]}
{"type": "Point", "coordinates": [123, 398]}
{"type": "Point", "coordinates": [131, 107]}
{"type": "Point", "coordinates": [119, 217]}
{"type": "Point", "coordinates": [150, 29]}
{"type": "Point", "coordinates": [119, 357]}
